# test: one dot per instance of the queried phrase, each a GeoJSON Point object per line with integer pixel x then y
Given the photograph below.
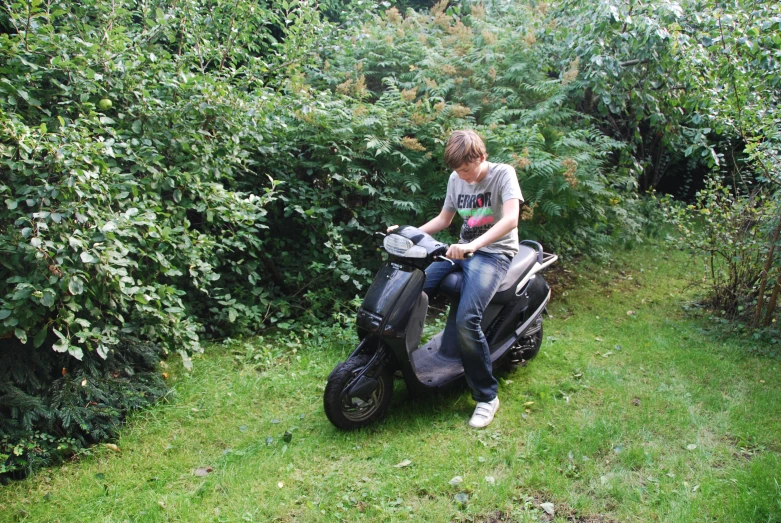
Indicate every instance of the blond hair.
{"type": "Point", "coordinates": [464, 147]}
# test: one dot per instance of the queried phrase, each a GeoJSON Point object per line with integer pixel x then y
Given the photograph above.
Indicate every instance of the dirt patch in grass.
{"type": "Point", "coordinates": [561, 510]}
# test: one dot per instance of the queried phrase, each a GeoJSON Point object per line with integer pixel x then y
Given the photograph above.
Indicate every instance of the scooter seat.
{"type": "Point", "coordinates": [520, 265]}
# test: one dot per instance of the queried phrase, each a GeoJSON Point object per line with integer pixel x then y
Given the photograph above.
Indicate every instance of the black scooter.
{"type": "Point", "coordinates": [390, 325]}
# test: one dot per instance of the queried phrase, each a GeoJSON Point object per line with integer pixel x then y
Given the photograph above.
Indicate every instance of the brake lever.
{"type": "Point", "coordinates": [445, 258]}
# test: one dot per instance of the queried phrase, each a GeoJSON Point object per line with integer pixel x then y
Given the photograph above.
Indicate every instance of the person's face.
{"type": "Point", "coordinates": [470, 172]}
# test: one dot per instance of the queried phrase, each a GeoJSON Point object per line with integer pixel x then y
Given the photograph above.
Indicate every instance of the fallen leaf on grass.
{"type": "Point", "coordinates": [630, 313]}
{"type": "Point", "coordinates": [202, 471]}
{"type": "Point", "coordinates": [608, 353]}
{"type": "Point", "coordinates": [691, 446]}
{"type": "Point", "coordinates": [597, 339]}
{"type": "Point", "coordinates": [457, 480]}
{"type": "Point", "coordinates": [490, 480]}
{"type": "Point", "coordinates": [547, 507]}
{"type": "Point", "coordinates": [113, 447]}
{"type": "Point", "coordinates": [528, 404]}
{"type": "Point", "coordinates": [280, 484]}
{"type": "Point", "coordinates": [402, 464]}
{"type": "Point", "coordinates": [636, 402]}
{"type": "Point", "coordinates": [461, 498]}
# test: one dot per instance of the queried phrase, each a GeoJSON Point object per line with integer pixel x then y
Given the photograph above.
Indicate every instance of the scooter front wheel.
{"type": "Point", "coordinates": [349, 412]}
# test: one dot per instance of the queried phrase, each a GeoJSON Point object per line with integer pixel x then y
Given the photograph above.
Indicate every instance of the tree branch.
{"type": "Point", "coordinates": [635, 61]}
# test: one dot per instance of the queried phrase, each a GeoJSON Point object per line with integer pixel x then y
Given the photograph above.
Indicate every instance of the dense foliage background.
{"type": "Point", "coordinates": [174, 170]}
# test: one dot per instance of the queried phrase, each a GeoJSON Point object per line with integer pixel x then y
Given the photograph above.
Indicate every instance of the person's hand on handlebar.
{"type": "Point", "coordinates": [460, 251]}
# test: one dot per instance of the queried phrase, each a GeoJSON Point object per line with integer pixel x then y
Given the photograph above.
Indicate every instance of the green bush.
{"type": "Point", "coordinates": [464, 66]}
{"type": "Point", "coordinates": [52, 405]}
{"type": "Point", "coordinates": [200, 168]}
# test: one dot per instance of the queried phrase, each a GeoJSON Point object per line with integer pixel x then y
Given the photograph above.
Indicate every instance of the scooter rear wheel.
{"type": "Point", "coordinates": [350, 413]}
{"type": "Point", "coordinates": [527, 347]}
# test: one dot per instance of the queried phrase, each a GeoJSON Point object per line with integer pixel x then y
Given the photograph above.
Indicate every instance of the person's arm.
{"type": "Point", "coordinates": [433, 226]}
{"type": "Point", "coordinates": [442, 221]}
{"type": "Point", "coordinates": [509, 221]}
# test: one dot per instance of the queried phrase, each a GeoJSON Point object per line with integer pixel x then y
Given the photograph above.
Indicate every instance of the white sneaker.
{"type": "Point", "coordinates": [484, 413]}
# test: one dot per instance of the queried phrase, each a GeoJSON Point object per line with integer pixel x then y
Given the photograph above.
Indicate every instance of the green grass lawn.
{"type": "Point", "coordinates": [633, 411]}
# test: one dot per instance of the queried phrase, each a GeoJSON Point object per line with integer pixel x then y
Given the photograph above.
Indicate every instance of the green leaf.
{"type": "Point", "coordinates": [87, 257]}
{"type": "Point", "coordinates": [40, 337]}
{"type": "Point", "coordinates": [75, 286]}
{"type": "Point", "coordinates": [47, 299]}
{"type": "Point", "coordinates": [186, 360]}
{"type": "Point", "coordinates": [61, 345]}
{"type": "Point", "coordinates": [21, 335]}
{"type": "Point", "coordinates": [4, 313]}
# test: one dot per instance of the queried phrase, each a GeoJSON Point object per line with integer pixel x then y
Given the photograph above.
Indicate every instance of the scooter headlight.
{"type": "Point", "coordinates": [403, 247]}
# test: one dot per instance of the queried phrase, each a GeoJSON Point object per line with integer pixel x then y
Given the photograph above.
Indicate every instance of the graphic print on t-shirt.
{"type": "Point", "coordinates": [475, 209]}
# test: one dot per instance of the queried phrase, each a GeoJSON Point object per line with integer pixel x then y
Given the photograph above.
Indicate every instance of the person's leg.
{"type": "Point", "coordinates": [435, 273]}
{"type": "Point", "coordinates": [482, 275]}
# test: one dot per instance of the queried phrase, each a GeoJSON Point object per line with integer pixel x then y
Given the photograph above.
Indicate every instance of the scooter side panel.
{"type": "Point", "coordinates": [390, 281]}
{"type": "Point", "coordinates": [393, 298]}
{"type": "Point", "coordinates": [517, 312]}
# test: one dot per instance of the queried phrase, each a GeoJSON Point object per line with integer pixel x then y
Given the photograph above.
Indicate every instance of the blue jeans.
{"type": "Point", "coordinates": [482, 275]}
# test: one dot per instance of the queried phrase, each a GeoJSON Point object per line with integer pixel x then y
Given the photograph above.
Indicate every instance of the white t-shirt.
{"type": "Point", "coordinates": [481, 204]}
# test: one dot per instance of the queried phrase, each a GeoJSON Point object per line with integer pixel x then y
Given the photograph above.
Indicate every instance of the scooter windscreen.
{"type": "Point", "coordinates": [411, 242]}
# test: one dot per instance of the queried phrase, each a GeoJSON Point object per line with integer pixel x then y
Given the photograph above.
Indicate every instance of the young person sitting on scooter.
{"type": "Point", "coordinates": [488, 198]}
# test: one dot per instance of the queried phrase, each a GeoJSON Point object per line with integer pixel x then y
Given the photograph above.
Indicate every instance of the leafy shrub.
{"type": "Point", "coordinates": [123, 131]}
{"type": "Point", "coordinates": [52, 405]}
{"type": "Point", "coordinates": [460, 67]}
{"type": "Point", "coordinates": [737, 232]}
{"type": "Point", "coordinates": [201, 168]}
{"type": "Point", "coordinates": [688, 82]}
